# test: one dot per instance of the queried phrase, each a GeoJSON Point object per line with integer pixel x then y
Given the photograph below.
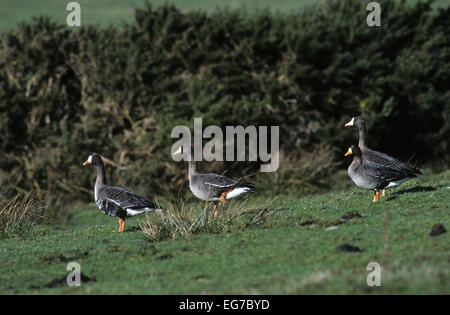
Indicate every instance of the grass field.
{"type": "Point", "coordinates": [105, 12]}
{"type": "Point", "coordinates": [294, 251]}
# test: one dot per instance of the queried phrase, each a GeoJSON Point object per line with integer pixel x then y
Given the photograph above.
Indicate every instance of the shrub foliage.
{"type": "Point", "coordinates": [119, 91]}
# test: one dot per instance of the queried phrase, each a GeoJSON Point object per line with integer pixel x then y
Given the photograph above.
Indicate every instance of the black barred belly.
{"type": "Point", "coordinates": [111, 209]}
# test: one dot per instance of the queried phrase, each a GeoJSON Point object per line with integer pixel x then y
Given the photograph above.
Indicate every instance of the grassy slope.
{"type": "Point", "coordinates": [106, 12]}
{"type": "Point", "coordinates": [290, 253]}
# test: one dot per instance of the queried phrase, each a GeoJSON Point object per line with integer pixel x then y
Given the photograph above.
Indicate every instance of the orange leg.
{"type": "Point", "coordinates": [223, 197]}
{"type": "Point", "coordinates": [121, 225]}
{"type": "Point", "coordinates": [376, 196]}
{"type": "Point", "coordinates": [216, 210]}
{"type": "Point", "coordinates": [223, 200]}
{"type": "Point", "coordinates": [383, 193]}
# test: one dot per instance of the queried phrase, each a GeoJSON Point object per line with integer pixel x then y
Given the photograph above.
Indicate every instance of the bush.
{"type": "Point", "coordinates": [65, 93]}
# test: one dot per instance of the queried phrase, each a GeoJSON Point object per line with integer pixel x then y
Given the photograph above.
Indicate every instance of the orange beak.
{"type": "Point", "coordinates": [87, 162]}
{"type": "Point", "coordinates": [349, 151]}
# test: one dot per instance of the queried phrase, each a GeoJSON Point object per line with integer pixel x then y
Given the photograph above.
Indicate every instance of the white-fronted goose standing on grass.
{"type": "Point", "coordinates": [372, 156]}
{"type": "Point", "coordinates": [116, 201]}
{"type": "Point", "coordinates": [214, 187]}
{"type": "Point", "coordinates": [373, 176]}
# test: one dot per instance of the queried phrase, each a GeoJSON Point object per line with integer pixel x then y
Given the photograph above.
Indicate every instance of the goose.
{"type": "Point", "coordinates": [369, 155]}
{"type": "Point", "coordinates": [370, 175]}
{"type": "Point", "coordinates": [214, 187]}
{"type": "Point", "coordinates": [116, 201]}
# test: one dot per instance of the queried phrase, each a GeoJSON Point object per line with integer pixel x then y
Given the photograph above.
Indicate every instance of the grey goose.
{"type": "Point", "coordinates": [370, 175]}
{"type": "Point", "coordinates": [116, 201]}
{"type": "Point", "coordinates": [214, 187]}
{"type": "Point", "coordinates": [369, 155]}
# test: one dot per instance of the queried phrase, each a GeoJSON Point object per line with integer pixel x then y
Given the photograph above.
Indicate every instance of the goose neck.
{"type": "Point", "coordinates": [101, 176]}
{"type": "Point", "coordinates": [357, 160]}
{"type": "Point", "coordinates": [362, 136]}
{"type": "Point", "coordinates": [192, 168]}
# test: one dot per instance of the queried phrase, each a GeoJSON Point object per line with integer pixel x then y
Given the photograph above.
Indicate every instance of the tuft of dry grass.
{"type": "Point", "coordinates": [18, 214]}
{"type": "Point", "coordinates": [181, 221]}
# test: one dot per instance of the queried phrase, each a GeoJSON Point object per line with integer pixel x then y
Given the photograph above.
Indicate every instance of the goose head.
{"type": "Point", "coordinates": [93, 159]}
{"type": "Point", "coordinates": [178, 151]}
{"type": "Point", "coordinates": [354, 149]}
{"type": "Point", "coordinates": [355, 121]}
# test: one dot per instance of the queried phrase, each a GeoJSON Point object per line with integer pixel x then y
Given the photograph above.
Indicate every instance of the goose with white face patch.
{"type": "Point", "coordinates": [371, 156]}
{"type": "Point", "coordinates": [371, 175]}
{"type": "Point", "coordinates": [116, 201]}
{"type": "Point", "coordinates": [214, 187]}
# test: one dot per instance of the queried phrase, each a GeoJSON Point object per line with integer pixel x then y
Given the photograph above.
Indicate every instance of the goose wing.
{"type": "Point", "coordinates": [390, 161]}
{"type": "Point", "coordinates": [126, 199]}
{"type": "Point", "coordinates": [383, 172]}
{"type": "Point", "coordinates": [219, 181]}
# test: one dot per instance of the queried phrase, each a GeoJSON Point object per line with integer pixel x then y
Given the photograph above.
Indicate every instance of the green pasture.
{"type": "Point", "coordinates": [296, 250]}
